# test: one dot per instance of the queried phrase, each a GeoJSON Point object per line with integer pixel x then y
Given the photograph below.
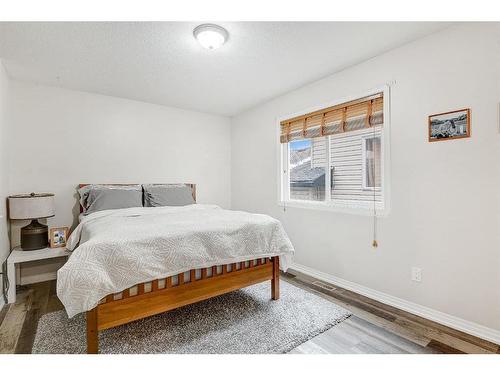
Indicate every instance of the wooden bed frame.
{"type": "Point", "coordinates": [158, 296]}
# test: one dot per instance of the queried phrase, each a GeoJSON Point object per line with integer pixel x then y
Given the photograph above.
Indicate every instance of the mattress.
{"type": "Point", "coordinates": [114, 250]}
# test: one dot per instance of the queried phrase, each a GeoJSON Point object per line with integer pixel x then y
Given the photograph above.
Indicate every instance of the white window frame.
{"type": "Point", "coordinates": [347, 206]}
{"type": "Point", "coordinates": [363, 165]}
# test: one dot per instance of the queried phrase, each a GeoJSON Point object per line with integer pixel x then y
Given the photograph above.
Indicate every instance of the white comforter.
{"type": "Point", "coordinates": [120, 248]}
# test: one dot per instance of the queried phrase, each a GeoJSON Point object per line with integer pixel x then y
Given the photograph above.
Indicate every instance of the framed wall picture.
{"type": "Point", "coordinates": [58, 236]}
{"type": "Point", "coordinates": [449, 125]}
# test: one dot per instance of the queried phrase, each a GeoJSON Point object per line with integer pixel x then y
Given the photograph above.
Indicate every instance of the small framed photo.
{"type": "Point", "coordinates": [58, 236]}
{"type": "Point", "coordinates": [449, 125]}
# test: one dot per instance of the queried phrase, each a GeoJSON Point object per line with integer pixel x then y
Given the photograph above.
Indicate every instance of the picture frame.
{"type": "Point", "coordinates": [449, 125]}
{"type": "Point", "coordinates": [58, 237]}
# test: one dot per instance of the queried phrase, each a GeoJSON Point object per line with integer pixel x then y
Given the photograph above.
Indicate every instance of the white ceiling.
{"type": "Point", "coordinates": [162, 63]}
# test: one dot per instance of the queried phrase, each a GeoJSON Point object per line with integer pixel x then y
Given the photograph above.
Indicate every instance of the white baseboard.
{"type": "Point", "coordinates": [425, 312]}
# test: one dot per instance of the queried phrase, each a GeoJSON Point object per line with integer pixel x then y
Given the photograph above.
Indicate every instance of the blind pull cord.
{"type": "Point", "coordinates": [374, 243]}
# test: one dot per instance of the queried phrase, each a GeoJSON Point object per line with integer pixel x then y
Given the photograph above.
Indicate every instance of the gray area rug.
{"type": "Point", "coordinates": [245, 321]}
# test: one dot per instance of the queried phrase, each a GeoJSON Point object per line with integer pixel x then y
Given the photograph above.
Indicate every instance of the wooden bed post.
{"type": "Point", "coordinates": [275, 282]}
{"type": "Point", "coordinates": [92, 332]}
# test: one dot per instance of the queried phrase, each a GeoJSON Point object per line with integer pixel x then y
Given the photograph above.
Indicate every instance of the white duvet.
{"type": "Point", "coordinates": [115, 249]}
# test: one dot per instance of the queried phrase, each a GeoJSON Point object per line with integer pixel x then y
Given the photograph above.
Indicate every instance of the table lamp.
{"type": "Point", "coordinates": [32, 207]}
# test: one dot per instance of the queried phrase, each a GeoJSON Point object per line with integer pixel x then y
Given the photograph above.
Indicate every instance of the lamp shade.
{"type": "Point", "coordinates": [31, 206]}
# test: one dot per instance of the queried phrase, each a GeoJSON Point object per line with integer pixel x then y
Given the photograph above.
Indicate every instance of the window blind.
{"type": "Point", "coordinates": [354, 115]}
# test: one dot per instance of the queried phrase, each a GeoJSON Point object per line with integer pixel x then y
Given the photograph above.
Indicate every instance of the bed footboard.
{"type": "Point", "coordinates": [162, 295]}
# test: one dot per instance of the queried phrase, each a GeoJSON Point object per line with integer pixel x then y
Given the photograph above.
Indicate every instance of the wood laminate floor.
{"type": "Point", "coordinates": [379, 328]}
{"type": "Point", "coordinates": [373, 328]}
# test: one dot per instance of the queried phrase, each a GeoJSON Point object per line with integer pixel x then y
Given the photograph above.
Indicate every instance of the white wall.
{"type": "Point", "coordinates": [445, 196]}
{"type": "Point", "coordinates": [62, 138]}
{"type": "Point", "coordinates": [4, 175]}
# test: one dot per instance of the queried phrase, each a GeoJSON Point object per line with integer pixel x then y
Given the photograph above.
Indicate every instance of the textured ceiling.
{"type": "Point", "coordinates": [162, 63]}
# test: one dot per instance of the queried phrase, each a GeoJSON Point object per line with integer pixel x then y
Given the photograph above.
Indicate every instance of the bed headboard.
{"type": "Point", "coordinates": [192, 186]}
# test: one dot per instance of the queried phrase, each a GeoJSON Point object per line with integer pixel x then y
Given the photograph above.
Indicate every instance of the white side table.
{"type": "Point", "coordinates": [20, 256]}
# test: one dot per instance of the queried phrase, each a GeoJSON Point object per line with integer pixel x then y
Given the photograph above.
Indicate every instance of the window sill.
{"type": "Point", "coordinates": [347, 207]}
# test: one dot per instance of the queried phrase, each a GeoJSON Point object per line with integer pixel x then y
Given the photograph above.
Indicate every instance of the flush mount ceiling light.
{"type": "Point", "coordinates": [210, 36]}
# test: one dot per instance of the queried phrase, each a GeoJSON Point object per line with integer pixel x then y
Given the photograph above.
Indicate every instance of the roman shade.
{"type": "Point", "coordinates": [354, 115]}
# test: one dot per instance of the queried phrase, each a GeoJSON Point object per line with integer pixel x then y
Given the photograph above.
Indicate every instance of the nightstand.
{"type": "Point", "coordinates": [18, 256]}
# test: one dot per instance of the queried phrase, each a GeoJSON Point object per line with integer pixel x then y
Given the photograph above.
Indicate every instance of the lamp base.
{"type": "Point", "coordinates": [34, 236]}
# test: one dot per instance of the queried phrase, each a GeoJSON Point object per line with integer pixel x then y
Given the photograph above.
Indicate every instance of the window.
{"type": "Point", "coordinates": [334, 157]}
{"type": "Point", "coordinates": [371, 162]}
{"type": "Point", "coordinates": [307, 177]}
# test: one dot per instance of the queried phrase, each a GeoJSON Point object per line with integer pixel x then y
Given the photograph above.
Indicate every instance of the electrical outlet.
{"type": "Point", "coordinates": [416, 274]}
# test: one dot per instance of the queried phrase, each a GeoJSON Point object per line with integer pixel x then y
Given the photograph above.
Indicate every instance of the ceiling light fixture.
{"type": "Point", "coordinates": [210, 36]}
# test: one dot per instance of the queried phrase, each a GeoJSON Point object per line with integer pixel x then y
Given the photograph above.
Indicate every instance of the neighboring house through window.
{"type": "Point", "coordinates": [307, 176]}
{"type": "Point", "coordinates": [371, 162]}
{"type": "Point", "coordinates": [335, 157]}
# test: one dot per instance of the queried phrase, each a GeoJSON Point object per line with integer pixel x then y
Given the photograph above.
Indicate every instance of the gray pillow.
{"type": "Point", "coordinates": [99, 197]}
{"type": "Point", "coordinates": [167, 195]}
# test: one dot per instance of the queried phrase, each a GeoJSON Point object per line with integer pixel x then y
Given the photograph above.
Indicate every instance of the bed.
{"type": "Point", "coordinates": [132, 263]}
